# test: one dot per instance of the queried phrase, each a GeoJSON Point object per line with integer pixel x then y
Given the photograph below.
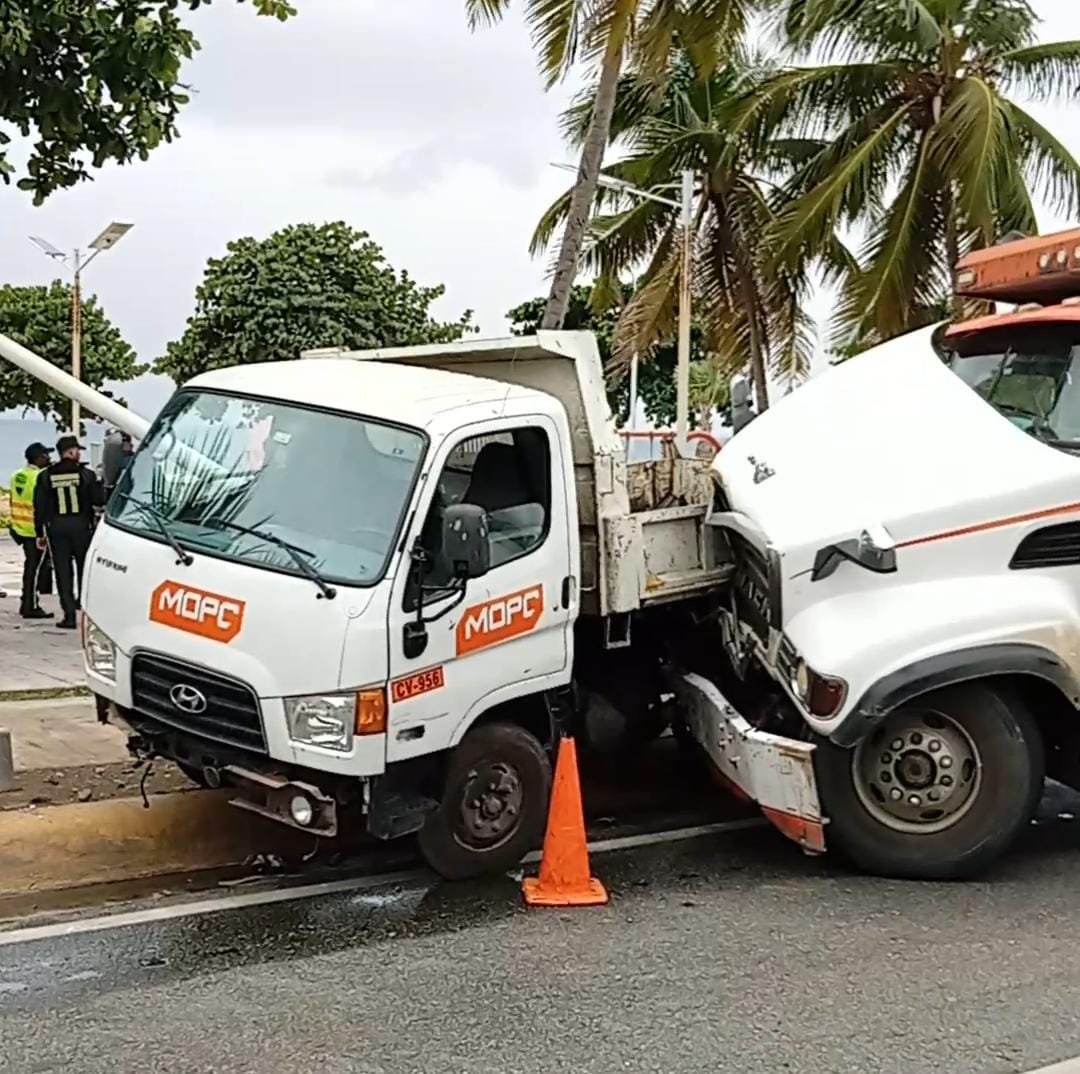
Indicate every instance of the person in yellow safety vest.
{"type": "Point", "coordinates": [37, 569]}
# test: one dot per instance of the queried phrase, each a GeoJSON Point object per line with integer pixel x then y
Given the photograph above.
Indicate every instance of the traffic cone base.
{"type": "Point", "coordinates": [593, 894]}
{"type": "Point", "coordinates": [564, 878]}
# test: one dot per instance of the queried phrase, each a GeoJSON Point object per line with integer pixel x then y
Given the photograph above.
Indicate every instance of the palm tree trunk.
{"type": "Point", "coordinates": [757, 351]}
{"type": "Point", "coordinates": [592, 156]}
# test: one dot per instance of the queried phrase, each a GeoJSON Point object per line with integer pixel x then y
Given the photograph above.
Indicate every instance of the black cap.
{"type": "Point", "coordinates": [35, 451]}
{"type": "Point", "coordinates": [66, 443]}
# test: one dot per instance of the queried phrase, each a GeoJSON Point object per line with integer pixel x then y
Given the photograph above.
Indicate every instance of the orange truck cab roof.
{"type": "Point", "coordinates": [1041, 275]}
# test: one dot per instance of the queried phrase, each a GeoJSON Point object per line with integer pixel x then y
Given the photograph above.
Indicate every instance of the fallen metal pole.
{"type": "Point", "coordinates": [94, 401]}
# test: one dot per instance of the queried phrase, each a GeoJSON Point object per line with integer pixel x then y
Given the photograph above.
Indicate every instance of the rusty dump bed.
{"type": "Point", "coordinates": [1044, 269]}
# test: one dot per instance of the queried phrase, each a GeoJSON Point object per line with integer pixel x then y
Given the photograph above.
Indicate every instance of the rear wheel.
{"type": "Point", "coordinates": [940, 788]}
{"type": "Point", "coordinates": [493, 806]}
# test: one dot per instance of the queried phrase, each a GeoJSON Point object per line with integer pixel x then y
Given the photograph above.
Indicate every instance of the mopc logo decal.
{"type": "Point", "coordinates": [500, 619]}
{"type": "Point", "coordinates": [423, 682]}
{"type": "Point", "coordinates": [184, 607]}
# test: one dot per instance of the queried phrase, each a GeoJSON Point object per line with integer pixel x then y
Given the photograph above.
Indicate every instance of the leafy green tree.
{"type": "Point", "coordinates": [751, 315]}
{"type": "Point", "coordinates": [92, 82]}
{"type": "Point", "coordinates": [40, 319]}
{"type": "Point", "coordinates": [603, 33]}
{"type": "Point", "coordinates": [927, 148]}
{"type": "Point", "coordinates": [305, 286]}
{"type": "Point", "coordinates": [656, 378]}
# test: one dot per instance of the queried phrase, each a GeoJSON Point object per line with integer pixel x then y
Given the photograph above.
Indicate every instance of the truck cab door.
{"type": "Point", "coordinates": [509, 634]}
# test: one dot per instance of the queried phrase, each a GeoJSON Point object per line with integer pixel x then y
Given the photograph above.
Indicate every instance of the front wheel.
{"type": "Point", "coordinates": [939, 789]}
{"type": "Point", "coordinates": [493, 806]}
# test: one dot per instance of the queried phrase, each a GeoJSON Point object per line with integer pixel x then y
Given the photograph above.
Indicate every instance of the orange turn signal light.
{"type": "Point", "coordinates": [371, 712]}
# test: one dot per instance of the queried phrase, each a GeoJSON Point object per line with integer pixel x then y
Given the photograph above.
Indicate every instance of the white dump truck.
{"type": "Point", "coordinates": [371, 588]}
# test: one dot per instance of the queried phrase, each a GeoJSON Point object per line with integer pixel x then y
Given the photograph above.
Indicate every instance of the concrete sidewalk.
{"type": "Point", "coordinates": [35, 655]}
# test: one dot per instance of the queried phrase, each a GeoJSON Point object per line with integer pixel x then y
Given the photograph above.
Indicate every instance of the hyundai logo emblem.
{"type": "Point", "coordinates": [187, 698]}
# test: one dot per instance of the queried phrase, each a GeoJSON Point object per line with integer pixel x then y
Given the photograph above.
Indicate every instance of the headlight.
{"type": "Point", "coordinates": [324, 720]}
{"type": "Point", "coordinates": [100, 651]}
{"type": "Point", "coordinates": [801, 680]}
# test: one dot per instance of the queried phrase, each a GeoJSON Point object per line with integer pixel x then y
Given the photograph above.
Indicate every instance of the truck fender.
{"type": "Point", "coordinates": [947, 669]}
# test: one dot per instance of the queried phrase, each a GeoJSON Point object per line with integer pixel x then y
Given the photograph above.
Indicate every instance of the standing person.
{"type": "Point", "coordinates": [37, 573]}
{"type": "Point", "coordinates": [66, 495]}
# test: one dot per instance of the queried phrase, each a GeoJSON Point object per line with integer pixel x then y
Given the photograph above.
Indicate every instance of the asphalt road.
{"type": "Point", "coordinates": [721, 954]}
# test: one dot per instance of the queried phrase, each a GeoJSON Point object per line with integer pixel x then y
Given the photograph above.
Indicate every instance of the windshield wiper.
{"type": "Point", "coordinates": [183, 556]}
{"type": "Point", "coordinates": [296, 553]}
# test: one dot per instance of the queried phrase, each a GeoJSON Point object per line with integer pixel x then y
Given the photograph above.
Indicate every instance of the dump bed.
{"type": "Point", "coordinates": [643, 533]}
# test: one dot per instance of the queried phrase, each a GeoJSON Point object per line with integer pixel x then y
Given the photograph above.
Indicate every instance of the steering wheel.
{"type": "Point", "coordinates": [379, 538]}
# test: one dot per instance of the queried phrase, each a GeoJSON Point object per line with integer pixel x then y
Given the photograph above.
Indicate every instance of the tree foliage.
{"type": "Point", "coordinates": [603, 34]}
{"type": "Point", "coordinates": [925, 146]}
{"type": "Point", "coordinates": [92, 82]}
{"type": "Point", "coordinates": [302, 287]}
{"type": "Point", "coordinates": [750, 313]}
{"type": "Point", "coordinates": [656, 378]}
{"type": "Point", "coordinates": [40, 319]}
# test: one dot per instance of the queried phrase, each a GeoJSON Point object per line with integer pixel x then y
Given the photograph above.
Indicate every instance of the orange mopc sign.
{"type": "Point", "coordinates": [422, 682]}
{"type": "Point", "coordinates": [209, 615]}
{"type": "Point", "coordinates": [500, 619]}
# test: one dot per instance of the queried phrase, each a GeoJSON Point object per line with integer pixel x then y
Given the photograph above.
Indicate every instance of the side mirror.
{"type": "Point", "coordinates": [465, 546]}
{"type": "Point", "coordinates": [742, 407]}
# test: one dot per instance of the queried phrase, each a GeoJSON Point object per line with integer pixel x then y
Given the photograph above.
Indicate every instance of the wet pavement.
{"type": "Point", "coordinates": [726, 953]}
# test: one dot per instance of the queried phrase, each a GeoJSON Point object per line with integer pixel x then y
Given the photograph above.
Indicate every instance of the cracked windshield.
{"type": "Point", "coordinates": [262, 482]}
{"type": "Point", "coordinates": [1033, 380]}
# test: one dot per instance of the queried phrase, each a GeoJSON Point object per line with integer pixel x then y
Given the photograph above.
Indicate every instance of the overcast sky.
{"type": "Point", "coordinates": [392, 117]}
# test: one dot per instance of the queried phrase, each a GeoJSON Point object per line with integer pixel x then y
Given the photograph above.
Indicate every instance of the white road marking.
{"type": "Point", "coordinates": [1068, 1066]}
{"type": "Point", "coordinates": [412, 877]}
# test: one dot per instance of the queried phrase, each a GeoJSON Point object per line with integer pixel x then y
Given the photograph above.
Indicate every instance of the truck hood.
{"type": "Point", "coordinates": [265, 628]}
{"type": "Point", "coordinates": [890, 437]}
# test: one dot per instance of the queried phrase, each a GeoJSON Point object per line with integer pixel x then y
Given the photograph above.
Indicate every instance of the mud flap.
{"type": "Point", "coordinates": [775, 772]}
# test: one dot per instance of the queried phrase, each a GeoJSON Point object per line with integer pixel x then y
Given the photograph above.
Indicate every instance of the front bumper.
{"type": "Point", "coordinates": [365, 759]}
{"type": "Point", "coordinates": [775, 772]}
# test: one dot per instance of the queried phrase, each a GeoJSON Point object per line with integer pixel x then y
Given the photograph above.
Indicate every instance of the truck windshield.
{"type": "Point", "coordinates": [1031, 376]}
{"type": "Point", "coordinates": [264, 482]}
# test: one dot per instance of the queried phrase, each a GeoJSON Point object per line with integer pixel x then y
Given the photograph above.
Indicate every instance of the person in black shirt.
{"type": "Point", "coordinates": [65, 498]}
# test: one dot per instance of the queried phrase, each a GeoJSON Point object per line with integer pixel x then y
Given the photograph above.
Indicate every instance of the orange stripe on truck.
{"type": "Point", "coordinates": [994, 524]}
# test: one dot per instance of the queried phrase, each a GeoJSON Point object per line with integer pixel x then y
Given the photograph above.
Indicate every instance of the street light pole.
{"type": "Point", "coordinates": [76, 337]}
{"type": "Point", "coordinates": [682, 369]}
{"type": "Point", "coordinates": [105, 241]}
{"type": "Point", "coordinates": [685, 205]}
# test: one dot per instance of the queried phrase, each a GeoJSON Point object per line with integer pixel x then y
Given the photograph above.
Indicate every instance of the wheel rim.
{"type": "Point", "coordinates": [920, 772]}
{"type": "Point", "coordinates": [490, 805]}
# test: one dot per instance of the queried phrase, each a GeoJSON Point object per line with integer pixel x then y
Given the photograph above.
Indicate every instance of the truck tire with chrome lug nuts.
{"type": "Point", "coordinates": [493, 806]}
{"type": "Point", "coordinates": [940, 788]}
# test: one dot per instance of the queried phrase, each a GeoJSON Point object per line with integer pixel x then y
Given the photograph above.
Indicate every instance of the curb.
{"type": "Point", "coordinates": [55, 847]}
{"type": "Point", "coordinates": [45, 693]}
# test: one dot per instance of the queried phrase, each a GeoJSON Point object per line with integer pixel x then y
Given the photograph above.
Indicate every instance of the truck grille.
{"type": "Point", "coordinates": [200, 702]}
{"type": "Point", "coordinates": [751, 584]}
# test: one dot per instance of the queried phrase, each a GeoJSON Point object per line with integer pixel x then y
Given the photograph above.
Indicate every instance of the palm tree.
{"type": "Point", "coordinates": [929, 152]}
{"type": "Point", "coordinates": [750, 314]}
{"type": "Point", "coordinates": [604, 33]}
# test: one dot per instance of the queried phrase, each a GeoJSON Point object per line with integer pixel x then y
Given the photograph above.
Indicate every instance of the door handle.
{"type": "Point", "coordinates": [567, 591]}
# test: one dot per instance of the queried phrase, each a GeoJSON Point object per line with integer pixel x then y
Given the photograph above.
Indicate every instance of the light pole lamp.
{"type": "Point", "coordinates": [105, 241]}
{"type": "Point", "coordinates": [685, 205]}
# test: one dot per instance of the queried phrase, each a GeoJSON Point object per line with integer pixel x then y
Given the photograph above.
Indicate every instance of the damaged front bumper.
{"type": "Point", "coordinates": [776, 773]}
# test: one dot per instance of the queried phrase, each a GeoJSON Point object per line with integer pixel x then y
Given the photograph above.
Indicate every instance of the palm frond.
{"type": "Point", "coordinates": [1042, 72]}
{"type": "Point", "coordinates": [649, 316]}
{"type": "Point", "coordinates": [900, 256]}
{"type": "Point", "coordinates": [967, 146]}
{"type": "Point", "coordinates": [806, 223]}
{"type": "Point", "coordinates": [1051, 168]}
{"type": "Point", "coordinates": [485, 12]}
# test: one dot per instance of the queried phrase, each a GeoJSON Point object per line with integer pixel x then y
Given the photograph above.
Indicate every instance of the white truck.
{"type": "Point", "coordinates": [370, 588]}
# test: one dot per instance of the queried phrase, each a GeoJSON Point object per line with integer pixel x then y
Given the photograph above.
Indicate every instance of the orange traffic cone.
{"type": "Point", "coordinates": [564, 866]}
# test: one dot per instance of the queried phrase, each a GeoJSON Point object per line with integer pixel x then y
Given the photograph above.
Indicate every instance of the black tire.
{"type": "Point", "coordinates": [453, 848]}
{"type": "Point", "coordinates": [1003, 791]}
